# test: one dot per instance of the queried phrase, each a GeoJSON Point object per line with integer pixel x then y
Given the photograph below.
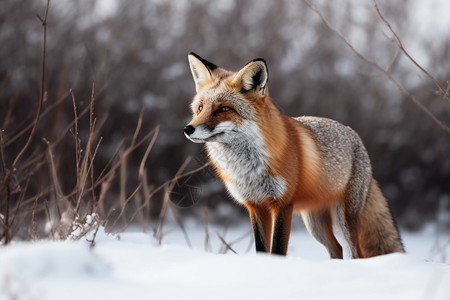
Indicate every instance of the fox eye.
{"type": "Point", "coordinates": [200, 107]}
{"type": "Point", "coordinates": [224, 109]}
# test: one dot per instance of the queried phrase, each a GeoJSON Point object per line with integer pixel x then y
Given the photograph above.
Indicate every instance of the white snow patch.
{"type": "Point", "coordinates": [133, 267]}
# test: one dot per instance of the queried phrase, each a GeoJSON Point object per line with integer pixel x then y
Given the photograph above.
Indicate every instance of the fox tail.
{"type": "Point", "coordinates": [378, 233]}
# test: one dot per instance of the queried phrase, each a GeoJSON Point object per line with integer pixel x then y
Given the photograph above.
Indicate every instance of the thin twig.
{"type": "Point", "coordinates": [162, 186]}
{"type": "Point", "coordinates": [87, 163]}
{"type": "Point", "coordinates": [121, 163]}
{"type": "Point", "coordinates": [393, 59]}
{"type": "Point", "coordinates": [180, 224]}
{"type": "Point", "coordinates": [34, 233]}
{"type": "Point", "coordinates": [103, 190]}
{"type": "Point", "coordinates": [77, 141]}
{"type": "Point", "coordinates": [2, 153]}
{"type": "Point", "coordinates": [205, 227]}
{"type": "Point", "coordinates": [7, 120]}
{"type": "Point", "coordinates": [126, 152]}
{"type": "Point", "coordinates": [47, 110]}
{"type": "Point", "coordinates": [442, 90]}
{"type": "Point", "coordinates": [147, 151]}
{"type": "Point", "coordinates": [93, 202]}
{"type": "Point", "coordinates": [138, 127]}
{"type": "Point", "coordinates": [227, 246]}
{"type": "Point", "coordinates": [123, 180]}
{"type": "Point", "coordinates": [92, 242]}
{"type": "Point", "coordinates": [224, 234]}
{"type": "Point", "coordinates": [240, 238]}
{"type": "Point", "coordinates": [169, 188]}
{"type": "Point", "coordinates": [86, 173]}
{"type": "Point", "coordinates": [124, 205]}
{"type": "Point", "coordinates": [33, 129]}
{"type": "Point", "coordinates": [56, 186]}
{"type": "Point", "coordinates": [19, 201]}
{"type": "Point", "coordinates": [379, 67]}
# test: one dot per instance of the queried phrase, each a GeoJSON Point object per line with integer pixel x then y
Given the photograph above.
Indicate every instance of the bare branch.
{"type": "Point", "coordinates": [164, 185]}
{"type": "Point", "coordinates": [227, 246]}
{"type": "Point", "coordinates": [122, 212]}
{"type": "Point", "coordinates": [7, 179]}
{"type": "Point", "coordinates": [169, 188]}
{"type": "Point", "coordinates": [147, 151]}
{"type": "Point", "coordinates": [138, 127]}
{"type": "Point", "coordinates": [205, 226]}
{"type": "Point", "coordinates": [385, 71]}
{"type": "Point", "coordinates": [180, 224]}
{"type": "Point", "coordinates": [442, 90]}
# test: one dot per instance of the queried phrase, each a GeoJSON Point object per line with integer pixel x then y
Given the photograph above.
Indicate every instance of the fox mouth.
{"type": "Point", "coordinates": [204, 140]}
{"type": "Point", "coordinates": [204, 134]}
{"type": "Point", "coordinates": [195, 140]}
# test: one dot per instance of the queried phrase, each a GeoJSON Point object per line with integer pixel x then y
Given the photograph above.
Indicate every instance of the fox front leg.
{"type": "Point", "coordinates": [261, 219]}
{"type": "Point", "coordinates": [282, 230]}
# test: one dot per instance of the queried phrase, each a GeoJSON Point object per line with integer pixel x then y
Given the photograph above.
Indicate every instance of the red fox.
{"type": "Point", "coordinates": [276, 165]}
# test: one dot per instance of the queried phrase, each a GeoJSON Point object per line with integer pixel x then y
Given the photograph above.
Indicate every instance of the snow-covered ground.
{"type": "Point", "coordinates": [134, 266]}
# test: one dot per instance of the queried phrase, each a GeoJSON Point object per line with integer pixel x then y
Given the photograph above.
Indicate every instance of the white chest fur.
{"type": "Point", "coordinates": [243, 158]}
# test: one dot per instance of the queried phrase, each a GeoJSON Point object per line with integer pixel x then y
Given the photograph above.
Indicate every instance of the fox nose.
{"type": "Point", "coordinates": [189, 130]}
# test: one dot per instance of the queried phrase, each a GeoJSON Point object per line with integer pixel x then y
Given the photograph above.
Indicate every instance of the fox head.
{"type": "Point", "coordinates": [226, 103]}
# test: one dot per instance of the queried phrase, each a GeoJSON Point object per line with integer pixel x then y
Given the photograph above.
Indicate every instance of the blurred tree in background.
{"type": "Point", "coordinates": [136, 53]}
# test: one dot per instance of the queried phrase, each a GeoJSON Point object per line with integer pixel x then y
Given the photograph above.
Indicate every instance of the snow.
{"type": "Point", "coordinates": [133, 266]}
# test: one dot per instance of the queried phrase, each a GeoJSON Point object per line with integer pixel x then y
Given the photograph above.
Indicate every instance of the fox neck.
{"type": "Point", "coordinates": [275, 128]}
{"type": "Point", "coordinates": [244, 163]}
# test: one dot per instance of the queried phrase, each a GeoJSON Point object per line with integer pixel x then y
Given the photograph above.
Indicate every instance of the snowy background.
{"type": "Point", "coordinates": [136, 54]}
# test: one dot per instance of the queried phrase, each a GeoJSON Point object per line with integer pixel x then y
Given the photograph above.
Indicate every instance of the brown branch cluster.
{"type": "Point", "coordinates": [67, 212]}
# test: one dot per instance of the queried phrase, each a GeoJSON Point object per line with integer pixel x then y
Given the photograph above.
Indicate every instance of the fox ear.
{"type": "Point", "coordinates": [201, 70]}
{"type": "Point", "coordinates": [254, 76]}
